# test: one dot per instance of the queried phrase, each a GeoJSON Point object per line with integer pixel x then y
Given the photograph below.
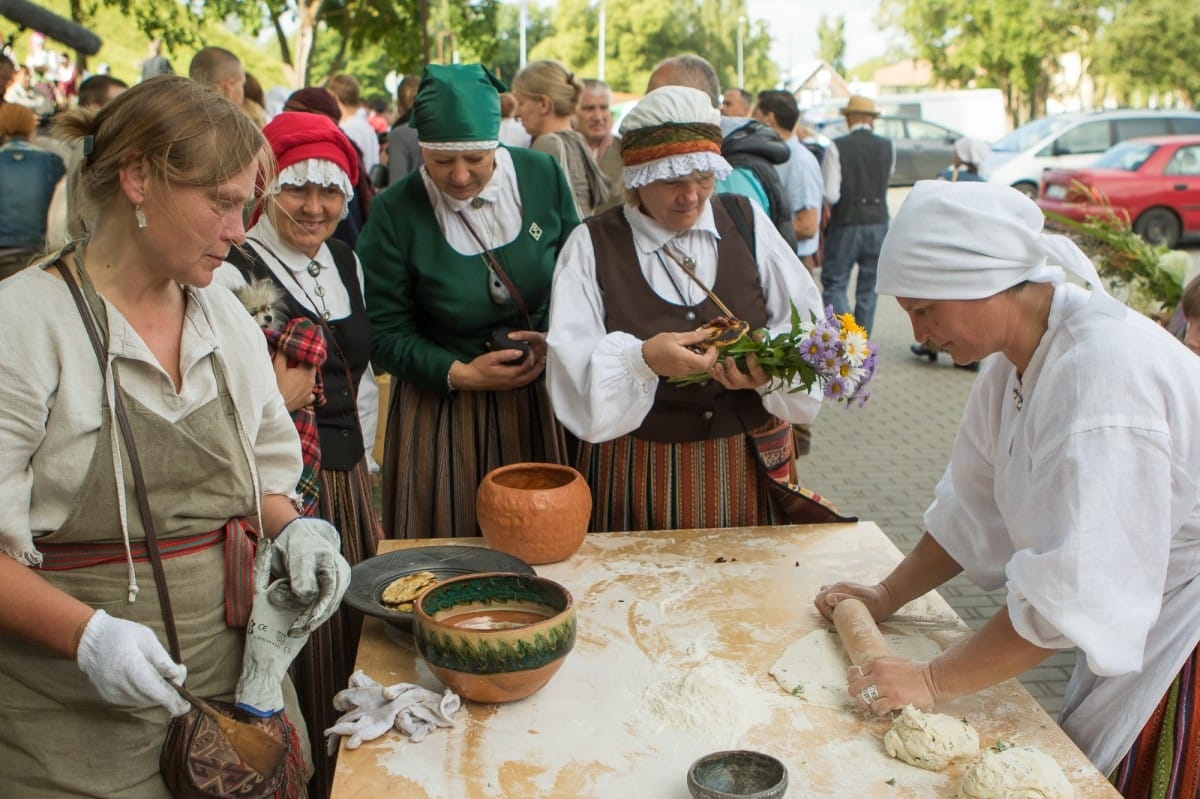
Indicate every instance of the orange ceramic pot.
{"type": "Point", "coordinates": [538, 512]}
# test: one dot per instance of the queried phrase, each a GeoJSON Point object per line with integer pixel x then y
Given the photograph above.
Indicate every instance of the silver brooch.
{"type": "Point", "coordinates": [535, 231]}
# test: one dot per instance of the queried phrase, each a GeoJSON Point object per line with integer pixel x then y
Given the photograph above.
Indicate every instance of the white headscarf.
{"type": "Point", "coordinates": [972, 151]}
{"type": "Point", "coordinates": [967, 241]}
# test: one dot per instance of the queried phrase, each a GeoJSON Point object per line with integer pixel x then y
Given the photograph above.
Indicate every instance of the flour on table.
{"type": "Point", "coordinates": [708, 701]}
{"type": "Point", "coordinates": [1015, 772]}
{"type": "Point", "coordinates": [930, 740]}
{"type": "Point", "coordinates": [814, 668]}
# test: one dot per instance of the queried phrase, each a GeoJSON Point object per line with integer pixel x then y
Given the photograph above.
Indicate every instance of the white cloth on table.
{"type": "Point", "coordinates": [51, 396]}
{"type": "Point", "coordinates": [1084, 503]}
{"type": "Point", "coordinates": [372, 709]}
{"type": "Point", "coordinates": [600, 386]}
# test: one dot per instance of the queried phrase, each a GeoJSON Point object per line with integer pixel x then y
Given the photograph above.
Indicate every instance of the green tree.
{"type": "Point", "coordinates": [831, 42]}
{"type": "Point", "coordinates": [643, 32]}
{"type": "Point", "coordinates": [1149, 47]}
{"type": "Point", "coordinates": [1013, 45]}
{"type": "Point", "coordinates": [402, 33]}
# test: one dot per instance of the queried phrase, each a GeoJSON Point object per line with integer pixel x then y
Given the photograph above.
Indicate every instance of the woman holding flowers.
{"type": "Point", "coordinates": [1073, 483]}
{"type": "Point", "coordinates": [631, 288]}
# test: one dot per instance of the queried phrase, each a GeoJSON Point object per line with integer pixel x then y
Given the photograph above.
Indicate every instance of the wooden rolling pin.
{"type": "Point", "coordinates": [860, 635]}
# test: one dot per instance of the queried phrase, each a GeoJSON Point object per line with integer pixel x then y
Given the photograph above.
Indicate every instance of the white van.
{"type": "Point", "coordinates": [1074, 140]}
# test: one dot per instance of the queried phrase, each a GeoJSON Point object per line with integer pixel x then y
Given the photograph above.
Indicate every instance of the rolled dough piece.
{"type": "Point", "coordinates": [1015, 772]}
{"type": "Point", "coordinates": [814, 667]}
{"type": "Point", "coordinates": [930, 740]}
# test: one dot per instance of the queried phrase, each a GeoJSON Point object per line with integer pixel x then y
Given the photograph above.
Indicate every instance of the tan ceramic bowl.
{"type": "Point", "coordinates": [495, 637]}
{"type": "Point", "coordinates": [538, 512]}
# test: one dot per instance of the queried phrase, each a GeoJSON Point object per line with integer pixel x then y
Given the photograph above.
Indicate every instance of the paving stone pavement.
{"type": "Point", "coordinates": [883, 460]}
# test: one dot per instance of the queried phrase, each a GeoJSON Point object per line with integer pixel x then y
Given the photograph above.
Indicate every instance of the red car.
{"type": "Point", "coordinates": [1154, 182]}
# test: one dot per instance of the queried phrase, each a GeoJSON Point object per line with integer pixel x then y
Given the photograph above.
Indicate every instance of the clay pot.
{"type": "Point", "coordinates": [495, 637]}
{"type": "Point", "coordinates": [538, 512]}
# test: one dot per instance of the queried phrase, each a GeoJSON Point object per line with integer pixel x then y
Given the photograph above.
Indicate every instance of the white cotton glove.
{"type": "Point", "coordinates": [128, 666]}
{"type": "Point", "coordinates": [270, 646]}
{"type": "Point", "coordinates": [307, 555]}
{"type": "Point", "coordinates": [375, 709]}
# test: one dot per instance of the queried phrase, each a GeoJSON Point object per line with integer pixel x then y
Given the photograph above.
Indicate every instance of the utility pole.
{"type": "Point", "coordinates": [524, 23]}
{"type": "Point", "coordinates": [741, 67]}
{"type": "Point", "coordinates": [603, 30]}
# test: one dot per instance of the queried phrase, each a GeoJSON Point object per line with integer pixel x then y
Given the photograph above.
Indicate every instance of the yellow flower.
{"type": "Point", "coordinates": [850, 326]}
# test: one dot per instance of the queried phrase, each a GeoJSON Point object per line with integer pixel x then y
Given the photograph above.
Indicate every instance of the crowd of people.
{"type": "Point", "coordinates": [244, 280]}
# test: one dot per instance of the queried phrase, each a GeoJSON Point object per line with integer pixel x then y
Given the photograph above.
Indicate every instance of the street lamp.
{"type": "Point", "coordinates": [523, 24]}
{"type": "Point", "coordinates": [741, 23]}
{"type": "Point", "coordinates": [603, 27]}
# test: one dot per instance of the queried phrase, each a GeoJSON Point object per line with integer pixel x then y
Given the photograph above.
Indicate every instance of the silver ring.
{"type": "Point", "coordinates": [869, 694]}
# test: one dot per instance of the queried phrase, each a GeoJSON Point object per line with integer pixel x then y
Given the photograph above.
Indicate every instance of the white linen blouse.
{"type": "Point", "coordinates": [600, 387]}
{"type": "Point", "coordinates": [51, 396]}
{"type": "Point", "coordinates": [1077, 487]}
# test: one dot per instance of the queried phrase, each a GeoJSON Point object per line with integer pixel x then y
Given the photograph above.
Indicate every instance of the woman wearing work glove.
{"type": "Point", "coordinates": [84, 665]}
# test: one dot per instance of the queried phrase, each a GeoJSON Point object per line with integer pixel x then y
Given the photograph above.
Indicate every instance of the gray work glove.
{"type": "Point", "coordinates": [270, 645]}
{"type": "Point", "coordinates": [128, 666]}
{"type": "Point", "coordinates": [315, 575]}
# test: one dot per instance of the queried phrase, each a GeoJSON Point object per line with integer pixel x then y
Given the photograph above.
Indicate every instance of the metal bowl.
{"type": "Point", "coordinates": [737, 774]}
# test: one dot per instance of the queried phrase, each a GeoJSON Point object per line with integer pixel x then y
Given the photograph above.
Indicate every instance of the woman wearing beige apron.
{"type": "Point", "coordinates": [83, 668]}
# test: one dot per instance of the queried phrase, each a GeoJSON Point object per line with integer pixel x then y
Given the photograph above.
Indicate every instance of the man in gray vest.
{"type": "Point", "coordinates": [856, 169]}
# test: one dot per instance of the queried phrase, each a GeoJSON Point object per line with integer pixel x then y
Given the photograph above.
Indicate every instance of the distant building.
{"type": "Point", "coordinates": [816, 83]}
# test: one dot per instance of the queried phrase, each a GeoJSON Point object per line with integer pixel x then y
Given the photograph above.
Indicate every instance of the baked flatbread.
{"type": "Point", "coordinates": [722, 332]}
{"type": "Point", "coordinates": [399, 595]}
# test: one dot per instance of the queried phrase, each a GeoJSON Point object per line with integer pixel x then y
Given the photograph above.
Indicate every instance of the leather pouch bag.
{"type": "Point", "coordinates": [197, 761]}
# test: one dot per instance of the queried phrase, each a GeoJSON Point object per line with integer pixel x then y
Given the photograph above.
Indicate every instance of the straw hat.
{"type": "Point", "coordinates": [861, 105]}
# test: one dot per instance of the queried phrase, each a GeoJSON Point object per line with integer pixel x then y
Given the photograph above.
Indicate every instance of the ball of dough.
{"type": "Point", "coordinates": [930, 740]}
{"type": "Point", "coordinates": [1015, 772]}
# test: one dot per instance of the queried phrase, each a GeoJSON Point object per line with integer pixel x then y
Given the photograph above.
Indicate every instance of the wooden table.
{"type": "Point", "coordinates": [677, 633]}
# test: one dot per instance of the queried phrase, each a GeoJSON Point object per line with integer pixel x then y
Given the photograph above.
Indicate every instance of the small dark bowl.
{"type": "Point", "coordinates": [737, 774]}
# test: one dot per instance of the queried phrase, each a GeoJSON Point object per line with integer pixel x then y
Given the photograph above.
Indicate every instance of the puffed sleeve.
{"type": "Point", "coordinates": [599, 385]}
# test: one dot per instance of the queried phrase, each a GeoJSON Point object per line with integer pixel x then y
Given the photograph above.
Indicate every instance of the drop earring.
{"type": "Point", "coordinates": [140, 216]}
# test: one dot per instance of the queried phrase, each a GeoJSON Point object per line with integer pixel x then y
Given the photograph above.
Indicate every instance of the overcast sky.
{"type": "Point", "coordinates": [793, 25]}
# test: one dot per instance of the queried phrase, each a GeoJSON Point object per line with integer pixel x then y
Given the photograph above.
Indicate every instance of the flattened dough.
{"type": "Point", "coordinates": [930, 740]}
{"type": "Point", "coordinates": [814, 668]}
{"type": "Point", "coordinates": [1015, 772]}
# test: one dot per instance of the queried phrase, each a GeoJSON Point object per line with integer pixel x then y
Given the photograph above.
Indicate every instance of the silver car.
{"type": "Point", "coordinates": [923, 148]}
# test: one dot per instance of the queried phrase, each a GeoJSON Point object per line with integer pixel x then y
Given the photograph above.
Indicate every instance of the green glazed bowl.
{"type": "Point", "coordinates": [494, 637]}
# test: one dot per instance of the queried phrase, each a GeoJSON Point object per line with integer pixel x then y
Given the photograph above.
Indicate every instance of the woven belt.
{"type": "Point", "coordinates": [239, 539]}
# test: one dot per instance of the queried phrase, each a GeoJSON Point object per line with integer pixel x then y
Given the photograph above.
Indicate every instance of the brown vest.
{"type": "Point", "coordinates": [693, 413]}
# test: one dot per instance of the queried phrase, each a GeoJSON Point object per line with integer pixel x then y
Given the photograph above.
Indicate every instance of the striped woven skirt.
{"type": "Point", "coordinates": [324, 666]}
{"type": "Point", "coordinates": [1164, 761]}
{"type": "Point", "coordinates": [650, 485]}
{"type": "Point", "coordinates": [438, 449]}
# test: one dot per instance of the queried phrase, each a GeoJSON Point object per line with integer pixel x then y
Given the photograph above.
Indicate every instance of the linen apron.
{"type": "Point", "coordinates": [58, 738]}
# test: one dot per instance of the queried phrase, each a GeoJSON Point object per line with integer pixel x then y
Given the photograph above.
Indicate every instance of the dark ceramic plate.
{"type": "Point", "coordinates": [370, 577]}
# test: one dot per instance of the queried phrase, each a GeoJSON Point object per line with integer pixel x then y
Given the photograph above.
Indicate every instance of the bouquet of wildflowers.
{"type": "Point", "coordinates": [833, 351]}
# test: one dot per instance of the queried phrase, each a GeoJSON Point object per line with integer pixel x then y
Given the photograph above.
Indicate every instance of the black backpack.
{"type": "Point", "coordinates": [757, 148]}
